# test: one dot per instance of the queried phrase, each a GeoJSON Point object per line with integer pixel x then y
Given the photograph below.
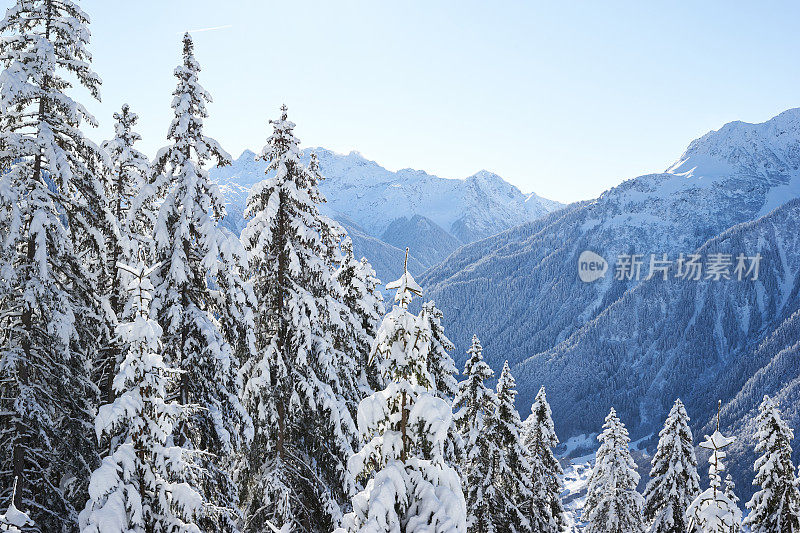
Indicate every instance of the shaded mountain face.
{"type": "Point", "coordinates": [431, 215]}
{"type": "Point", "coordinates": [520, 292]}
{"type": "Point", "coordinates": [431, 244]}
{"type": "Point", "coordinates": [697, 340]}
{"type": "Point", "coordinates": [634, 344]}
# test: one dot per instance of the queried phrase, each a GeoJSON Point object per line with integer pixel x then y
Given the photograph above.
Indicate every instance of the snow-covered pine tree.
{"type": "Point", "coordinates": [712, 511]}
{"type": "Point", "coordinates": [730, 493]}
{"type": "Point", "coordinates": [129, 172]}
{"type": "Point", "coordinates": [297, 384]}
{"type": "Point", "coordinates": [405, 491]}
{"type": "Point", "coordinates": [133, 490]}
{"type": "Point", "coordinates": [546, 512]}
{"type": "Point", "coordinates": [776, 506]}
{"type": "Point", "coordinates": [195, 253]}
{"type": "Point", "coordinates": [54, 222]}
{"type": "Point", "coordinates": [514, 486]}
{"type": "Point", "coordinates": [674, 482]}
{"type": "Point", "coordinates": [440, 365]}
{"type": "Point", "coordinates": [363, 299]}
{"type": "Point", "coordinates": [443, 372]}
{"type": "Point", "coordinates": [612, 503]}
{"type": "Point", "coordinates": [474, 407]}
{"type": "Point", "coordinates": [730, 490]}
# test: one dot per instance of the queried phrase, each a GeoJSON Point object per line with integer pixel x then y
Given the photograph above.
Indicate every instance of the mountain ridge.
{"type": "Point", "coordinates": [367, 195]}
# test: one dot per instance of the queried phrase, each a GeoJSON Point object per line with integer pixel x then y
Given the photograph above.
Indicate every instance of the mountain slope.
{"type": "Point", "coordinates": [527, 276]}
{"type": "Point", "coordinates": [394, 204]}
{"type": "Point", "coordinates": [675, 338]}
{"type": "Point", "coordinates": [430, 243]}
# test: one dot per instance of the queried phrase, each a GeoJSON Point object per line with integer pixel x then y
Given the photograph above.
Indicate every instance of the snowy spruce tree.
{"type": "Point", "coordinates": [612, 503]}
{"type": "Point", "coordinates": [674, 482]}
{"type": "Point", "coordinates": [712, 511]}
{"type": "Point", "coordinates": [546, 512]}
{"type": "Point", "coordinates": [54, 224]}
{"type": "Point", "coordinates": [128, 175]}
{"type": "Point", "coordinates": [443, 372]}
{"type": "Point", "coordinates": [514, 474]}
{"type": "Point", "coordinates": [194, 253]}
{"type": "Point", "coordinates": [776, 505]}
{"type": "Point", "coordinates": [133, 490]}
{"type": "Point", "coordinates": [299, 383]}
{"type": "Point", "coordinates": [474, 407]}
{"type": "Point", "coordinates": [361, 315]}
{"type": "Point", "coordinates": [730, 493]}
{"type": "Point", "coordinates": [440, 365]}
{"type": "Point", "coordinates": [409, 486]}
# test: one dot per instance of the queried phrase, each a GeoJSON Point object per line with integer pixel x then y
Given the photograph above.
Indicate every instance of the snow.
{"type": "Point", "coordinates": [14, 519]}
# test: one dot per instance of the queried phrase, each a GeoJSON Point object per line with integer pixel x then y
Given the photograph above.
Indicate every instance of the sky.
{"type": "Point", "coordinates": [565, 99]}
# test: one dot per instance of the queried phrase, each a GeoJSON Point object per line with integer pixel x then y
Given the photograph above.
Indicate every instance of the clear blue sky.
{"type": "Point", "coordinates": [562, 98]}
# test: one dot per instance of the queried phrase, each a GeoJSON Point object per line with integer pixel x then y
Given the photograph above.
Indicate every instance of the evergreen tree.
{"type": "Point", "coordinates": [440, 365]}
{"type": "Point", "coordinates": [298, 383]}
{"type": "Point", "coordinates": [194, 254]}
{"type": "Point", "coordinates": [364, 309]}
{"type": "Point", "coordinates": [474, 407]}
{"type": "Point", "coordinates": [730, 493]}
{"type": "Point", "coordinates": [129, 170]}
{"type": "Point", "coordinates": [712, 511]}
{"type": "Point", "coordinates": [674, 482]}
{"type": "Point", "coordinates": [776, 506]}
{"type": "Point", "coordinates": [402, 424]}
{"type": "Point", "coordinates": [612, 503]}
{"type": "Point", "coordinates": [547, 513]}
{"type": "Point", "coordinates": [443, 372]}
{"type": "Point", "coordinates": [514, 475]}
{"type": "Point", "coordinates": [133, 489]}
{"type": "Point", "coordinates": [54, 223]}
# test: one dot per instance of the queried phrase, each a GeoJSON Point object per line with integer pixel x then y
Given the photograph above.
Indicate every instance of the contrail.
{"type": "Point", "coordinates": [208, 29]}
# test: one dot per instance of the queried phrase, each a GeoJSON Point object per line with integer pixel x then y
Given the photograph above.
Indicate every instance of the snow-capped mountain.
{"type": "Point", "coordinates": [409, 207]}
{"type": "Point", "coordinates": [528, 274]}
{"type": "Point", "coordinates": [638, 344]}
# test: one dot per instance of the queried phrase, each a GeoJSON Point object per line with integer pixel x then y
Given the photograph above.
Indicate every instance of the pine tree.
{"type": "Point", "coordinates": [674, 482]}
{"type": "Point", "coordinates": [546, 510]}
{"type": "Point", "coordinates": [405, 490]}
{"type": "Point", "coordinates": [133, 489]}
{"type": "Point", "coordinates": [298, 383]}
{"type": "Point", "coordinates": [54, 222]}
{"type": "Point", "coordinates": [612, 503]}
{"type": "Point", "coordinates": [443, 372]}
{"type": "Point", "coordinates": [514, 471]}
{"type": "Point", "coordinates": [364, 309]}
{"type": "Point", "coordinates": [194, 253]}
{"type": "Point", "coordinates": [776, 506]}
{"type": "Point", "coordinates": [730, 493]}
{"type": "Point", "coordinates": [440, 365]}
{"type": "Point", "coordinates": [364, 301]}
{"type": "Point", "coordinates": [474, 407]}
{"type": "Point", "coordinates": [129, 171]}
{"type": "Point", "coordinates": [712, 511]}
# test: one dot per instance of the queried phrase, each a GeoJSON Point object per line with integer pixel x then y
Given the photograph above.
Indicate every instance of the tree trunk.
{"type": "Point", "coordinates": [403, 427]}
{"type": "Point", "coordinates": [21, 441]}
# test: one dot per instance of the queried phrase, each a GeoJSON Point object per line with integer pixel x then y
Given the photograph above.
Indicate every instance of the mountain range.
{"type": "Point", "coordinates": [637, 344]}
{"type": "Point", "coordinates": [385, 211]}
